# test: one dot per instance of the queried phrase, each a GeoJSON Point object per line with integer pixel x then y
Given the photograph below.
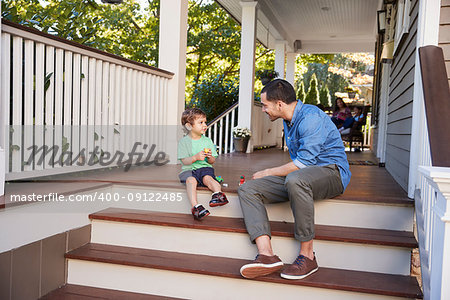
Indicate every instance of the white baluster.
{"type": "Point", "coordinates": [215, 134]}
{"type": "Point", "coordinates": [231, 130]}
{"type": "Point", "coordinates": [220, 135]}
{"type": "Point", "coordinates": [76, 102]}
{"type": "Point", "coordinates": [59, 73]}
{"type": "Point", "coordinates": [227, 132]}
{"type": "Point", "coordinates": [17, 147]}
{"type": "Point", "coordinates": [5, 93]}
{"type": "Point", "coordinates": [39, 103]}
{"type": "Point", "coordinates": [28, 105]}
{"type": "Point", "coordinates": [68, 102]}
{"type": "Point", "coordinates": [84, 108]}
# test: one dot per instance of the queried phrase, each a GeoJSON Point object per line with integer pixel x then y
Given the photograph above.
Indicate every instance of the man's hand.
{"type": "Point", "coordinates": [261, 174]}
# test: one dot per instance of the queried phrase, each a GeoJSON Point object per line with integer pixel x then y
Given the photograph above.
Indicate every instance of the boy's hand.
{"type": "Point", "coordinates": [200, 156]}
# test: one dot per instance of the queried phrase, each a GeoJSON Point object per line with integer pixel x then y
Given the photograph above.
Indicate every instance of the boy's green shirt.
{"type": "Point", "coordinates": [188, 147]}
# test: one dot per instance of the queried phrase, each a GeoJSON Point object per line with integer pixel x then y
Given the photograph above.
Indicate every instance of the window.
{"type": "Point", "coordinates": [401, 22]}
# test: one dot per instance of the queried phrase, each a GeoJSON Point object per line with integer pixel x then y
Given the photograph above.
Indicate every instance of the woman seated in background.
{"type": "Point", "coordinates": [341, 113]}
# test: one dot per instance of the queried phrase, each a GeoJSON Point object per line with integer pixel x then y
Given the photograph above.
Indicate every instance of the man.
{"type": "Point", "coordinates": [319, 170]}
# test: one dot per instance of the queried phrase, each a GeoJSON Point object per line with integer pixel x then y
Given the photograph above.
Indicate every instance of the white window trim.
{"type": "Point", "coordinates": [402, 22]}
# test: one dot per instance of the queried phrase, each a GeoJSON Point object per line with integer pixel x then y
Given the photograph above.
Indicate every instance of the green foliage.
{"type": "Point", "coordinates": [334, 82]}
{"type": "Point", "coordinates": [214, 40]}
{"type": "Point", "coordinates": [214, 95]}
{"type": "Point", "coordinates": [266, 73]}
{"type": "Point", "coordinates": [324, 96]}
{"type": "Point", "coordinates": [312, 97]}
{"type": "Point", "coordinates": [119, 29]}
{"type": "Point", "coordinates": [301, 91]}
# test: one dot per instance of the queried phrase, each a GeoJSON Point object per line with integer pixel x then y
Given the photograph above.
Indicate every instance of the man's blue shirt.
{"type": "Point", "coordinates": [313, 139]}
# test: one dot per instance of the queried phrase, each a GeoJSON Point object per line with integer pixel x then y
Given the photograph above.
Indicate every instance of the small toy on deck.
{"type": "Point", "coordinates": [242, 180]}
{"type": "Point", "coordinates": [219, 179]}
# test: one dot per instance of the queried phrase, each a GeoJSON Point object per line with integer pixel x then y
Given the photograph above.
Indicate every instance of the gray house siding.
{"type": "Point", "coordinates": [401, 87]}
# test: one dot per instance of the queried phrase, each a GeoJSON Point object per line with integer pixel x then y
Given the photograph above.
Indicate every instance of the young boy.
{"type": "Point", "coordinates": [196, 153]}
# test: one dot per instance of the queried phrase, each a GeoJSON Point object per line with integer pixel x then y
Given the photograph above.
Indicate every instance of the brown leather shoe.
{"type": "Point", "coordinates": [262, 265]}
{"type": "Point", "coordinates": [301, 268]}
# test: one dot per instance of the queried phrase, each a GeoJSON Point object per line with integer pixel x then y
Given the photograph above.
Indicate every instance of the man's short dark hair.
{"type": "Point", "coordinates": [191, 114]}
{"type": "Point", "coordinates": [281, 90]}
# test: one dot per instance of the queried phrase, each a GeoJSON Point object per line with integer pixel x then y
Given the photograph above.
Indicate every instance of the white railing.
{"type": "Point", "coordinates": [59, 93]}
{"type": "Point", "coordinates": [220, 130]}
{"type": "Point", "coordinates": [433, 220]}
{"type": "Point", "coordinates": [432, 207]}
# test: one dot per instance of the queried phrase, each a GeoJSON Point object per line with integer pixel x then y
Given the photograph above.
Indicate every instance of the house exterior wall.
{"type": "Point", "coordinates": [400, 104]}
{"type": "Point", "coordinates": [444, 33]}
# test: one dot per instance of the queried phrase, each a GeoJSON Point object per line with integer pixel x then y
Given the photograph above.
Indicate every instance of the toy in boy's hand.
{"type": "Point", "coordinates": [242, 180]}
{"type": "Point", "coordinates": [219, 179]}
{"type": "Point", "coordinates": [208, 153]}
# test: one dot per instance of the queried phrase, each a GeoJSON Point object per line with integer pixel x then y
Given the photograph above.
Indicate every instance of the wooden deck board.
{"type": "Point", "coordinates": [368, 183]}
{"type": "Point", "coordinates": [79, 292]}
{"type": "Point", "coordinates": [347, 280]}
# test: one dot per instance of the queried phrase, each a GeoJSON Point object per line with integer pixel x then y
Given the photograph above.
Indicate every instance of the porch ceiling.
{"type": "Point", "coordinates": [322, 26]}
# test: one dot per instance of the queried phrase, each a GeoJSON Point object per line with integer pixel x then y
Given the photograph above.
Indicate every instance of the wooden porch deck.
{"type": "Point", "coordinates": [368, 183]}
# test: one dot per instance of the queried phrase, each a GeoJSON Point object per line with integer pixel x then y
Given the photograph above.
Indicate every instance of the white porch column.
{"type": "Point", "coordinates": [247, 72]}
{"type": "Point", "coordinates": [427, 34]}
{"type": "Point", "coordinates": [172, 57]}
{"type": "Point", "coordinates": [280, 51]}
{"type": "Point", "coordinates": [172, 53]}
{"type": "Point", "coordinates": [290, 67]}
{"type": "Point", "coordinates": [3, 127]}
{"type": "Point", "coordinates": [382, 123]}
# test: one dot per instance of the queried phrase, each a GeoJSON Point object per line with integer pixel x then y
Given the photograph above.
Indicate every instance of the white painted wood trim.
{"type": "Point", "coordinates": [382, 123]}
{"type": "Point", "coordinates": [28, 103]}
{"type": "Point", "coordinates": [427, 34]}
{"type": "Point", "coordinates": [17, 104]}
{"type": "Point", "coordinates": [280, 58]}
{"type": "Point", "coordinates": [5, 96]}
{"type": "Point", "coordinates": [247, 65]}
{"type": "Point", "coordinates": [179, 284]}
{"type": "Point", "coordinates": [290, 67]}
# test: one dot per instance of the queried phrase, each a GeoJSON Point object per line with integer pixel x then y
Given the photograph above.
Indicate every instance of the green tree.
{"type": "Point", "coordinates": [312, 97]}
{"type": "Point", "coordinates": [207, 93]}
{"type": "Point", "coordinates": [301, 91]}
{"type": "Point", "coordinates": [324, 96]}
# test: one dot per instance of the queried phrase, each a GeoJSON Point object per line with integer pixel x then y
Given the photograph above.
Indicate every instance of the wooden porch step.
{"type": "Point", "coordinates": [327, 278]}
{"type": "Point", "coordinates": [81, 292]}
{"type": "Point", "coordinates": [282, 229]}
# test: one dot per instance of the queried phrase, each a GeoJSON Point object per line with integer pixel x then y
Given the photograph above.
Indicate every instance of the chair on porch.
{"type": "Point", "coordinates": [356, 134]}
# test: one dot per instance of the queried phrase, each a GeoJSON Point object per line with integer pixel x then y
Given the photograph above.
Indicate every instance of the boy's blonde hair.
{"type": "Point", "coordinates": [190, 114]}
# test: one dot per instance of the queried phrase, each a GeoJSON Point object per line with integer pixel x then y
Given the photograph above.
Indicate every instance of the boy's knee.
{"type": "Point", "coordinates": [191, 180]}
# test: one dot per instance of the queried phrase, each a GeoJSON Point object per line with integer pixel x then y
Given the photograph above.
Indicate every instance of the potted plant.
{"type": "Point", "coordinates": [266, 75]}
{"type": "Point", "coordinates": [241, 136]}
